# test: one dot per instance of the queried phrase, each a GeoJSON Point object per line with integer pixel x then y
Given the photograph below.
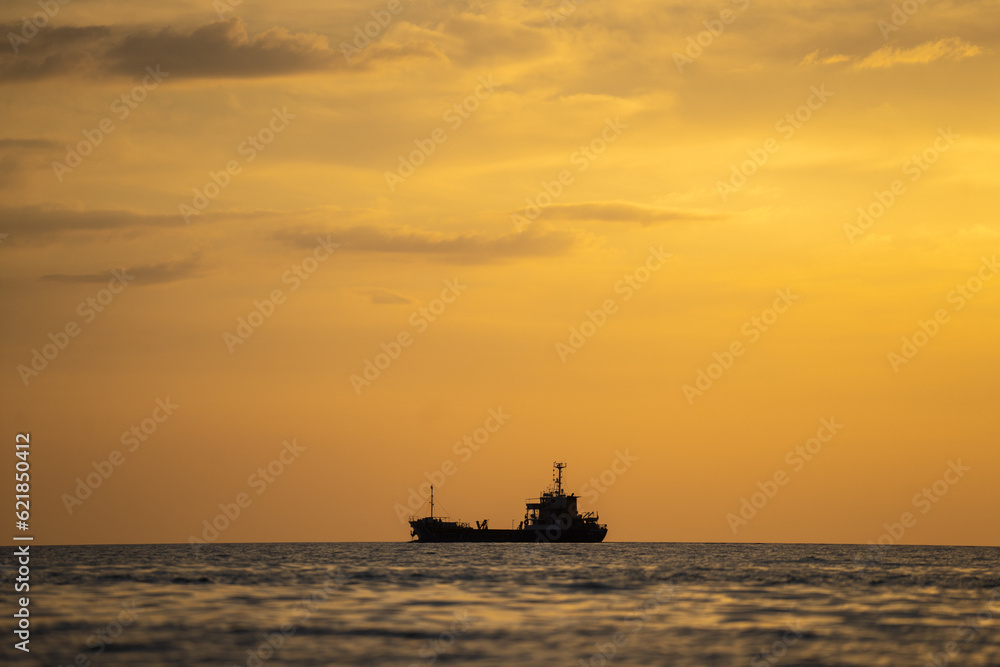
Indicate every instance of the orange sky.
{"type": "Point", "coordinates": [564, 216]}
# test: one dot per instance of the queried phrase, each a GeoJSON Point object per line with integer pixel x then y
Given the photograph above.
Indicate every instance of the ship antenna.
{"type": "Point", "coordinates": [559, 468]}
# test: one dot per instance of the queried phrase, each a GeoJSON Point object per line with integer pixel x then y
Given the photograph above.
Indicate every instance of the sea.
{"type": "Point", "coordinates": [597, 605]}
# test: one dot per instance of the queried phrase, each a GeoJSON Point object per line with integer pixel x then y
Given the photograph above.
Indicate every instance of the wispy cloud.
{"type": "Point", "coordinates": [382, 297]}
{"type": "Point", "coordinates": [948, 48]}
{"type": "Point", "coordinates": [18, 156]}
{"type": "Point", "coordinates": [814, 58]}
{"type": "Point", "coordinates": [28, 144]}
{"type": "Point", "coordinates": [615, 211]}
{"type": "Point", "coordinates": [468, 247]}
{"type": "Point", "coordinates": [145, 274]}
{"type": "Point", "coordinates": [38, 220]}
{"type": "Point", "coordinates": [39, 225]}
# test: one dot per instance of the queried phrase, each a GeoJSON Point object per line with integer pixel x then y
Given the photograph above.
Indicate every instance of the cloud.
{"type": "Point", "coordinates": [380, 296]}
{"type": "Point", "coordinates": [813, 58]}
{"type": "Point", "coordinates": [221, 49]}
{"type": "Point", "coordinates": [468, 247]}
{"type": "Point", "coordinates": [20, 155]}
{"type": "Point", "coordinates": [40, 225]}
{"type": "Point", "coordinates": [478, 38]}
{"type": "Point", "coordinates": [35, 221]}
{"type": "Point", "coordinates": [145, 274]}
{"type": "Point", "coordinates": [628, 212]}
{"type": "Point", "coordinates": [53, 51]}
{"type": "Point", "coordinates": [28, 144]}
{"type": "Point", "coordinates": [978, 233]}
{"type": "Point", "coordinates": [391, 52]}
{"type": "Point", "coordinates": [948, 48]}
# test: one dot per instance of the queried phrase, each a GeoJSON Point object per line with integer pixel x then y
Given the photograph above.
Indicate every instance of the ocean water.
{"type": "Point", "coordinates": [509, 604]}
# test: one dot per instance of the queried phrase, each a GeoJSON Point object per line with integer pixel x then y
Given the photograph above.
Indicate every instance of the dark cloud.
{"type": "Point", "coordinates": [468, 247]}
{"type": "Point", "coordinates": [224, 49]}
{"type": "Point", "coordinates": [145, 274]}
{"type": "Point", "coordinates": [627, 212]}
{"type": "Point", "coordinates": [221, 49]}
{"type": "Point", "coordinates": [53, 51]}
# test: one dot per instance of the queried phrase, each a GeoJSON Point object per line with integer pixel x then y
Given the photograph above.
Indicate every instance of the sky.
{"type": "Point", "coordinates": [271, 269]}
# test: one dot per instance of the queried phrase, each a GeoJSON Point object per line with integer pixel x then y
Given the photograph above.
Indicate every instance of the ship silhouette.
{"type": "Point", "coordinates": [552, 517]}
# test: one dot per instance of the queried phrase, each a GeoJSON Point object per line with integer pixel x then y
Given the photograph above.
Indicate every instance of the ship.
{"type": "Point", "coordinates": [552, 517]}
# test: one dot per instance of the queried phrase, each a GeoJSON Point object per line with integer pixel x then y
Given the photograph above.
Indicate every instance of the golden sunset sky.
{"type": "Point", "coordinates": [689, 174]}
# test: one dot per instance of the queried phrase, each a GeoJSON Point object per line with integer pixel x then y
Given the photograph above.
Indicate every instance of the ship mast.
{"type": "Point", "coordinates": [559, 468]}
{"type": "Point", "coordinates": [432, 501]}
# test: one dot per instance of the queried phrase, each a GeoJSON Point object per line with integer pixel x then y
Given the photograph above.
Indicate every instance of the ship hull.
{"type": "Point", "coordinates": [552, 517]}
{"type": "Point", "coordinates": [462, 534]}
